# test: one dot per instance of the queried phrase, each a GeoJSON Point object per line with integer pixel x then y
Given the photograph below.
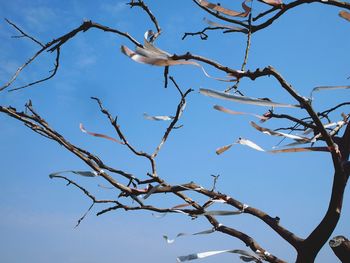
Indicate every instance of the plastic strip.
{"type": "Point", "coordinates": [223, 149]}
{"type": "Point", "coordinates": [157, 118]}
{"type": "Point", "coordinates": [150, 192]}
{"type": "Point", "coordinates": [303, 149]}
{"type": "Point", "coordinates": [328, 125]}
{"type": "Point", "coordinates": [225, 213]}
{"type": "Point", "coordinates": [225, 110]}
{"type": "Point", "coordinates": [226, 11]}
{"type": "Point", "coordinates": [345, 15]}
{"type": "Point", "coordinates": [281, 134]}
{"type": "Point", "coordinates": [244, 254]}
{"type": "Point", "coordinates": [233, 28]}
{"type": "Point", "coordinates": [221, 213]}
{"type": "Point", "coordinates": [242, 142]}
{"type": "Point", "coordinates": [258, 148]}
{"type": "Point", "coordinates": [205, 232]}
{"type": "Point", "coordinates": [213, 201]}
{"type": "Point", "coordinates": [328, 87]}
{"type": "Point", "coordinates": [181, 206]}
{"type": "Point", "coordinates": [98, 134]}
{"type": "Point", "coordinates": [243, 99]}
{"type": "Point", "coordinates": [250, 144]}
{"type": "Point", "coordinates": [150, 46]}
{"type": "Point", "coordinates": [273, 2]}
{"type": "Point", "coordinates": [144, 56]}
{"type": "Point", "coordinates": [82, 173]}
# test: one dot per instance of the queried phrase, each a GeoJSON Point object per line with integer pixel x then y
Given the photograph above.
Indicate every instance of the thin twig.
{"type": "Point", "coordinates": [57, 43]}
{"type": "Point", "coordinates": [166, 73]}
{"type": "Point", "coordinates": [173, 122]}
{"type": "Point", "coordinates": [54, 71]}
{"type": "Point", "coordinates": [246, 53]}
{"type": "Point", "coordinates": [23, 33]}
{"type": "Point", "coordinates": [142, 4]}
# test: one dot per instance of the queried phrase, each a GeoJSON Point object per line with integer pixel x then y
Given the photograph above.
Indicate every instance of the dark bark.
{"type": "Point", "coordinates": [341, 248]}
{"type": "Point", "coordinates": [315, 241]}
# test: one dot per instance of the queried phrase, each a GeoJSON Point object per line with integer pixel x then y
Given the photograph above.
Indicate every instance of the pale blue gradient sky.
{"type": "Point", "coordinates": [37, 215]}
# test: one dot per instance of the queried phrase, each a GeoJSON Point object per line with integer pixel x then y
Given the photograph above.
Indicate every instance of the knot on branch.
{"type": "Point", "coordinates": [87, 24]}
{"type": "Point", "coordinates": [277, 220]}
{"type": "Point", "coordinates": [341, 248]}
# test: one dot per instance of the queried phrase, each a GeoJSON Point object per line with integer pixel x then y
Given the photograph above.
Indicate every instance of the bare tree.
{"type": "Point", "coordinates": [306, 127]}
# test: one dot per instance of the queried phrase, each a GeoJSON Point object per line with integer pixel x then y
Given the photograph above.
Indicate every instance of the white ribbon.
{"type": "Point", "coordinates": [245, 255]}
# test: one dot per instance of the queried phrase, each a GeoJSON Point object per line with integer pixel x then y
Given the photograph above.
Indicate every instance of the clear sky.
{"type": "Point", "coordinates": [308, 46]}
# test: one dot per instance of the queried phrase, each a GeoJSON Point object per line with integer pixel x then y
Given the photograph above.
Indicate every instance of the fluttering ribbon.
{"type": "Point", "coordinates": [205, 232]}
{"type": "Point", "coordinates": [82, 173]}
{"type": "Point", "coordinates": [81, 126]}
{"type": "Point", "coordinates": [152, 55]}
{"type": "Point", "coordinates": [225, 110]}
{"type": "Point", "coordinates": [157, 118]}
{"type": "Point", "coordinates": [245, 255]}
{"type": "Point", "coordinates": [223, 10]}
{"type": "Point", "coordinates": [272, 2]}
{"type": "Point", "coordinates": [244, 99]}
{"type": "Point", "coordinates": [256, 147]}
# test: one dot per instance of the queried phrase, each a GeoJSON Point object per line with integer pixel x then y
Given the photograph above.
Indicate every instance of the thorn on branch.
{"type": "Point", "coordinates": [277, 220]}
{"type": "Point", "coordinates": [178, 127]}
{"type": "Point", "coordinates": [52, 71]}
{"type": "Point", "coordinates": [108, 210]}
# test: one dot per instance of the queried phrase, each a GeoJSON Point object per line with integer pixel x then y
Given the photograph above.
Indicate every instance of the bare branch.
{"type": "Point", "coordinates": [54, 71]}
{"type": "Point", "coordinates": [249, 241]}
{"type": "Point", "coordinates": [246, 53]}
{"type": "Point", "coordinates": [173, 122]}
{"type": "Point", "coordinates": [326, 112]}
{"type": "Point", "coordinates": [291, 118]}
{"type": "Point", "coordinates": [142, 4]}
{"type": "Point", "coordinates": [292, 5]}
{"type": "Point", "coordinates": [23, 33]}
{"type": "Point", "coordinates": [202, 33]}
{"type": "Point", "coordinates": [36, 123]}
{"type": "Point", "coordinates": [87, 193]}
{"type": "Point", "coordinates": [56, 44]}
{"type": "Point", "coordinates": [18, 71]}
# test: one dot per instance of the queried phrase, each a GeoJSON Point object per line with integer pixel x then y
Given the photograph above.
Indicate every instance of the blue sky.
{"type": "Point", "coordinates": [308, 46]}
